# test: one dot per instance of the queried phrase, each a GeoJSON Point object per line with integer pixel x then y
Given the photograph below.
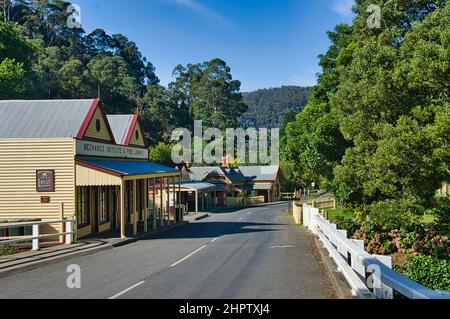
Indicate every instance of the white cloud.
{"type": "Point", "coordinates": [195, 5]}
{"type": "Point", "coordinates": [343, 7]}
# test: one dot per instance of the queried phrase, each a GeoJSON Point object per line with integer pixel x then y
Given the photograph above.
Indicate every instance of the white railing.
{"type": "Point", "coordinates": [370, 276]}
{"type": "Point", "coordinates": [70, 233]}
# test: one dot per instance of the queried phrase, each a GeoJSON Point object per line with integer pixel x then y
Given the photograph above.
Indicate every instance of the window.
{"type": "Point", "coordinates": [103, 204]}
{"type": "Point", "coordinates": [83, 206]}
{"type": "Point", "coordinates": [98, 125]}
{"type": "Point", "coordinates": [137, 135]}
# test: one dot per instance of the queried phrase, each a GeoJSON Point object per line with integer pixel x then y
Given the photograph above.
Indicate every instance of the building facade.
{"type": "Point", "coordinates": [262, 183]}
{"type": "Point", "coordinates": [66, 157]}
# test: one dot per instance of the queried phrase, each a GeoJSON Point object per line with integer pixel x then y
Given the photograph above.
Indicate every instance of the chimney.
{"type": "Point", "coordinates": [225, 162]}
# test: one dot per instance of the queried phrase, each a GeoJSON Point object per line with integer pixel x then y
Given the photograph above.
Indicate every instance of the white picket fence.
{"type": "Point", "coordinates": [370, 276]}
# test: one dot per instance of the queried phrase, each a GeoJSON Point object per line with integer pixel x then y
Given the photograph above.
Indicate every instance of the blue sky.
{"type": "Point", "coordinates": [267, 43]}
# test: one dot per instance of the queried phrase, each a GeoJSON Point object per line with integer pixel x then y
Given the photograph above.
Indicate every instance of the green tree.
{"type": "Point", "coordinates": [13, 81]}
{"type": "Point", "coordinates": [108, 75]}
{"type": "Point", "coordinates": [312, 142]}
{"type": "Point", "coordinates": [209, 90]}
{"type": "Point", "coordinates": [16, 53]}
{"type": "Point", "coordinates": [72, 64]}
{"type": "Point", "coordinates": [393, 106]}
{"type": "Point", "coordinates": [162, 114]}
{"type": "Point", "coordinates": [162, 154]}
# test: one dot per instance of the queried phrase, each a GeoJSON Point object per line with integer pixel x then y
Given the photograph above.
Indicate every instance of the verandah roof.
{"type": "Point", "coordinates": [197, 186]}
{"type": "Point", "coordinates": [127, 168]}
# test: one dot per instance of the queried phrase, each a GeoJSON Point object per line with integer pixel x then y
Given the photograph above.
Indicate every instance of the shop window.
{"type": "Point", "coordinates": [83, 206]}
{"type": "Point", "coordinates": [103, 205]}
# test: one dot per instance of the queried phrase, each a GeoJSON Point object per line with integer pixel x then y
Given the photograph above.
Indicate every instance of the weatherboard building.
{"type": "Point", "coordinates": [66, 157]}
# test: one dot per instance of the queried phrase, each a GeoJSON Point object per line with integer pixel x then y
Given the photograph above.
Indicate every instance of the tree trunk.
{"type": "Point", "coordinates": [6, 4]}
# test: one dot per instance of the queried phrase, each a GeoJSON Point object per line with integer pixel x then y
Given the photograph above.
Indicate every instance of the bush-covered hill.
{"type": "Point", "coordinates": [269, 107]}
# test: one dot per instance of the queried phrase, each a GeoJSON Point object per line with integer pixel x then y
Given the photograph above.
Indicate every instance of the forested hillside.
{"type": "Point", "coordinates": [269, 107]}
{"type": "Point", "coordinates": [42, 56]}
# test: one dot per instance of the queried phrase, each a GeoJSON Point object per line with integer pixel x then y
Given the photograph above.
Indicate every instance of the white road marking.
{"type": "Point", "coordinates": [241, 218]}
{"type": "Point", "coordinates": [285, 246]}
{"type": "Point", "coordinates": [249, 213]}
{"type": "Point", "coordinates": [127, 290]}
{"type": "Point", "coordinates": [215, 239]}
{"type": "Point", "coordinates": [187, 257]}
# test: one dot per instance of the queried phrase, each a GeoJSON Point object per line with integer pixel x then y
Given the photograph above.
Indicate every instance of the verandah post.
{"type": "Point", "coordinates": [135, 214]}
{"type": "Point", "coordinates": [175, 197]}
{"type": "Point", "coordinates": [154, 204]}
{"type": "Point", "coordinates": [161, 180]}
{"type": "Point", "coordinates": [122, 211]}
{"type": "Point", "coordinates": [145, 214]}
{"type": "Point", "coordinates": [168, 200]}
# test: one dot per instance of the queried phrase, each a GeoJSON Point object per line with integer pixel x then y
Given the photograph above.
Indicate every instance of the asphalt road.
{"type": "Point", "coordinates": [251, 254]}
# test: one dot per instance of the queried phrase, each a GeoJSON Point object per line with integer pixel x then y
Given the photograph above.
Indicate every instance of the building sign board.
{"type": "Point", "coordinates": [87, 148]}
{"type": "Point", "coordinates": [45, 181]}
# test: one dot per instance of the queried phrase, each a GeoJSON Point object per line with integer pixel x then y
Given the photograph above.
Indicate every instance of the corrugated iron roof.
{"type": "Point", "coordinates": [260, 173]}
{"type": "Point", "coordinates": [120, 126]}
{"type": "Point", "coordinates": [241, 174]}
{"type": "Point", "coordinates": [198, 174]}
{"type": "Point", "coordinates": [197, 185]}
{"type": "Point", "coordinates": [42, 118]}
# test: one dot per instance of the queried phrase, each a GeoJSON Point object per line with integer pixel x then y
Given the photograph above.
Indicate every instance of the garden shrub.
{"type": "Point", "coordinates": [8, 250]}
{"type": "Point", "coordinates": [346, 223]}
{"type": "Point", "coordinates": [397, 214]}
{"type": "Point", "coordinates": [431, 272]}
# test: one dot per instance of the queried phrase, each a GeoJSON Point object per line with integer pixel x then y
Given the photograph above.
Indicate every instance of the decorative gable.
{"type": "Point", "coordinates": [136, 137]}
{"type": "Point", "coordinates": [98, 127]}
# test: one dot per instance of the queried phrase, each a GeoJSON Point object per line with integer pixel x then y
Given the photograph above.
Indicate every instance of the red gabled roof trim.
{"type": "Point", "coordinates": [100, 169]}
{"type": "Point", "coordinates": [105, 118]}
{"type": "Point", "coordinates": [131, 130]}
{"type": "Point", "coordinates": [88, 120]}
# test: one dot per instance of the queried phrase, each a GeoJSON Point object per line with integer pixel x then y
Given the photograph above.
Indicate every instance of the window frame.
{"type": "Point", "coordinates": [103, 206]}
{"type": "Point", "coordinates": [83, 200]}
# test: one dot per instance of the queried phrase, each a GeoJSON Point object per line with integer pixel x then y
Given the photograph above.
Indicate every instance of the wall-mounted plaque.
{"type": "Point", "coordinates": [45, 200]}
{"type": "Point", "coordinates": [45, 181]}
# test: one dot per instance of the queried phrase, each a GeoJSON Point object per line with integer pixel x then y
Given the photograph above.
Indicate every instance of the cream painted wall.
{"type": "Point", "coordinates": [19, 160]}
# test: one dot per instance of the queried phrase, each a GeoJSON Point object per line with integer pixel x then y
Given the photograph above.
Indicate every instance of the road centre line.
{"type": "Point", "coordinates": [127, 290]}
{"type": "Point", "coordinates": [188, 256]}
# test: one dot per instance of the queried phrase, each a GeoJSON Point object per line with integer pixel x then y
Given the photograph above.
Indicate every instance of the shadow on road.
{"type": "Point", "coordinates": [214, 229]}
{"type": "Point", "coordinates": [236, 209]}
